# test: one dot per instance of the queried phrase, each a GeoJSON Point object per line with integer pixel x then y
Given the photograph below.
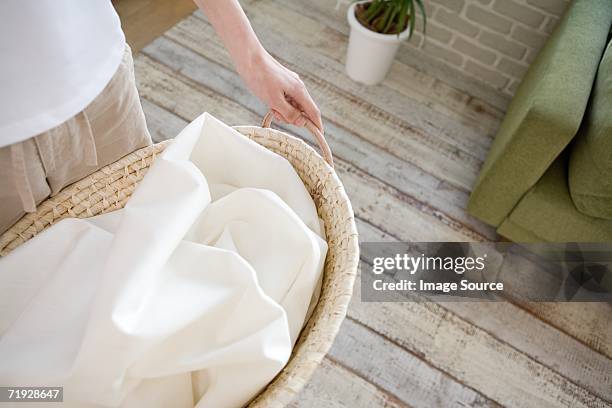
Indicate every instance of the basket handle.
{"type": "Point", "coordinates": [327, 154]}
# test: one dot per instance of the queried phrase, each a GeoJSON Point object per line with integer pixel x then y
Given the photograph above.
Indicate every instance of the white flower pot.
{"type": "Point", "coordinates": [370, 54]}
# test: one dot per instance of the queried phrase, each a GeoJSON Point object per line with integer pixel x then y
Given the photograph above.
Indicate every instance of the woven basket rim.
{"type": "Point", "coordinates": [332, 322]}
{"type": "Point", "coordinates": [87, 198]}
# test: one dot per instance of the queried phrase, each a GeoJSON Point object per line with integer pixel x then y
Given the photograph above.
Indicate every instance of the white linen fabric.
{"type": "Point", "coordinates": [57, 56]}
{"type": "Point", "coordinates": [193, 294]}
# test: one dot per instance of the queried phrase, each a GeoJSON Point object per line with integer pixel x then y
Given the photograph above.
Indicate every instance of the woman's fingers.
{"type": "Point", "coordinates": [289, 112]}
{"type": "Point", "coordinates": [301, 121]}
{"type": "Point", "coordinates": [306, 104]}
{"type": "Point", "coordinates": [292, 108]}
{"type": "Point", "coordinates": [278, 117]}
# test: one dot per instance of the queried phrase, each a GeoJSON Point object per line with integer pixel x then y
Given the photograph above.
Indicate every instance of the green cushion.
{"type": "Point", "coordinates": [590, 171]}
{"type": "Point", "coordinates": [546, 111]}
{"type": "Point", "coordinates": [547, 214]}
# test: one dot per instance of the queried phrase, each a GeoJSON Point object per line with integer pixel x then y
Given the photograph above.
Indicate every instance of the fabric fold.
{"type": "Point", "coordinates": [193, 293]}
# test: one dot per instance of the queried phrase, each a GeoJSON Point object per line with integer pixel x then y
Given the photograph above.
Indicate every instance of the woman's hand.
{"type": "Point", "coordinates": [279, 88]}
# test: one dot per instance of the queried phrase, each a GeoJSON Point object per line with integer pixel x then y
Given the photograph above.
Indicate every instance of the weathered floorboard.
{"type": "Point", "coordinates": [470, 354]}
{"type": "Point", "coordinates": [296, 48]}
{"type": "Point", "coordinates": [365, 234]}
{"type": "Point", "coordinates": [430, 152]}
{"type": "Point", "coordinates": [373, 199]}
{"type": "Point", "coordinates": [407, 151]}
{"type": "Point", "coordinates": [403, 374]}
{"type": "Point", "coordinates": [513, 327]}
{"type": "Point", "coordinates": [190, 30]}
{"type": "Point", "coordinates": [434, 195]}
{"type": "Point", "coordinates": [595, 332]}
{"type": "Point", "coordinates": [334, 386]}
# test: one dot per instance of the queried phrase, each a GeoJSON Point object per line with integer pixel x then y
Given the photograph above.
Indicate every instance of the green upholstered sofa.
{"type": "Point", "coordinates": [522, 189]}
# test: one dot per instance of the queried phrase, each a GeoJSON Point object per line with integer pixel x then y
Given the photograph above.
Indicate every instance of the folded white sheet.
{"type": "Point", "coordinates": [193, 294]}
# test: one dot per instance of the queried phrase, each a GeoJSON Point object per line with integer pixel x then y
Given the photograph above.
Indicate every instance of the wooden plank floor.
{"type": "Point", "coordinates": [408, 151]}
{"type": "Point", "coordinates": [144, 20]}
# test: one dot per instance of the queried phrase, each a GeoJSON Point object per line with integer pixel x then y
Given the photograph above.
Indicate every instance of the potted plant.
{"type": "Point", "coordinates": [377, 29]}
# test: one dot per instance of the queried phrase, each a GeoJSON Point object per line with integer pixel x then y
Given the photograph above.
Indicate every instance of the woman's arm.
{"type": "Point", "coordinates": [278, 87]}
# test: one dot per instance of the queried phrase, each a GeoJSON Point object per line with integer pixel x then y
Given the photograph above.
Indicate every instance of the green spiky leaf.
{"type": "Point", "coordinates": [391, 16]}
{"type": "Point", "coordinates": [412, 19]}
{"type": "Point", "coordinates": [423, 13]}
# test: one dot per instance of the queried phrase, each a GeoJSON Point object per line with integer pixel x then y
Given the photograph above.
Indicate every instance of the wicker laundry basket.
{"type": "Point", "coordinates": [109, 189]}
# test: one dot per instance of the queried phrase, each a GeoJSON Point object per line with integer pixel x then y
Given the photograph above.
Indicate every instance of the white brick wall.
{"type": "Point", "coordinates": [493, 41]}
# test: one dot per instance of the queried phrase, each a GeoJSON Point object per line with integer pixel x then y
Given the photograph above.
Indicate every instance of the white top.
{"type": "Point", "coordinates": [57, 56]}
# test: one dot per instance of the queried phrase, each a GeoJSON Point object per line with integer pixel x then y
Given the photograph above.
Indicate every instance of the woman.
{"type": "Point", "coordinates": [69, 103]}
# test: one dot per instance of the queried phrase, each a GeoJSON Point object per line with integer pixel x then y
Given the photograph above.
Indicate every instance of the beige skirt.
{"type": "Point", "coordinates": [110, 127]}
